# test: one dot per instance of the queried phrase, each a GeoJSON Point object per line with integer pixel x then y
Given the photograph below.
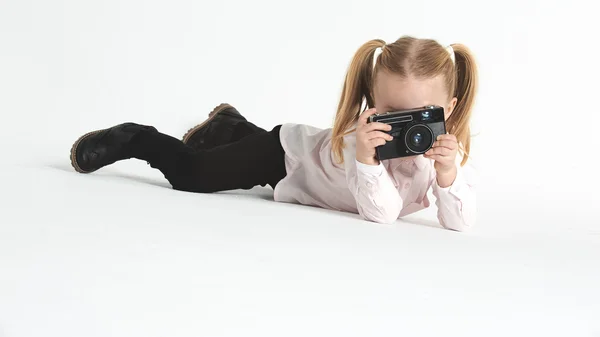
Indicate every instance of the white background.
{"type": "Point", "coordinates": [118, 253]}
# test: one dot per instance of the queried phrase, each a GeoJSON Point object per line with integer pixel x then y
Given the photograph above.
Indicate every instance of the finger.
{"type": "Point", "coordinates": [375, 142]}
{"type": "Point", "coordinates": [445, 143]}
{"type": "Point", "coordinates": [439, 151]}
{"type": "Point", "coordinates": [376, 126]}
{"type": "Point", "coordinates": [362, 120]}
{"type": "Point", "coordinates": [379, 134]}
{"type": "Point", "coordinates": [435, 157]}
{"type": "Point", "coordinates": [447, 136]}
{"type": "Point", "coordinates": [442, 151]}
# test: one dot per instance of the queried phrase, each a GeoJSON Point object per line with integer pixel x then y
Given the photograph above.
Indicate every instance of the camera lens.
{"type": "Point", "coordinates": [419, 138]}
{"type": "Point", "coordinates": [416, 139]}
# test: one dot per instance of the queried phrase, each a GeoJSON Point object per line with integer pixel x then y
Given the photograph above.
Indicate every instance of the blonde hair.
{"type": "Point", "coordinates": [408, 56]}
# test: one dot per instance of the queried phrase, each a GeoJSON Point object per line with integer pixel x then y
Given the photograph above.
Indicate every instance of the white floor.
{"type": "Point", "coordinates": [112, 254]}
{"type": "Point", "coordinates": [119, 254]}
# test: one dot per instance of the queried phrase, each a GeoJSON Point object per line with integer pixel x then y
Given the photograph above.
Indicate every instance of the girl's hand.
{"type": "Point", "coordinates": [444, 152]}
{"type": "Point", "coordinates": [368, 137]}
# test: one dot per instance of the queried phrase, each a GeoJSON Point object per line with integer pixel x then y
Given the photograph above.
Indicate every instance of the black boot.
{"type": "Point", "coordinates": [224, 125]}
{"type": "Point", "coordinates": [100, 148]}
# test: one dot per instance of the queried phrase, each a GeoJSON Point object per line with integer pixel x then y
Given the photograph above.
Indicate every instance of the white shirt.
{"type": "Point", "coordinates": [382, 193]}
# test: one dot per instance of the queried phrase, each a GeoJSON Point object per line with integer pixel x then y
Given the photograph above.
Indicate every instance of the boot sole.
{"type": "Point", "coordinates": [74, 151]}
{"type": "Point", "coordinates": [186, 137]}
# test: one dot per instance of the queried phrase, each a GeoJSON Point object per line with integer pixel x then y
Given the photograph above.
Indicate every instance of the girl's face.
{"type": "Point", "coordinates": [393, 93]}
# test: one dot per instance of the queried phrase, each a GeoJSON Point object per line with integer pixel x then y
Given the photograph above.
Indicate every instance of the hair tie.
{"type": "Point", "coordinates": [378, 52]}
{"type": "Point", "coordinates": [450, 51]}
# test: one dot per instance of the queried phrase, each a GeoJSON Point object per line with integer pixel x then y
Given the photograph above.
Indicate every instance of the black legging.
{"type": "Point", "coordinates": [257, 158]}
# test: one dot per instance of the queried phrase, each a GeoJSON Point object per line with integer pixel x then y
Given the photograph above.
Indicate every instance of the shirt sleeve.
{"type": "Point", "coordinates": [457, 209]}
{"type": "Point", "coordinates": [376, 195]}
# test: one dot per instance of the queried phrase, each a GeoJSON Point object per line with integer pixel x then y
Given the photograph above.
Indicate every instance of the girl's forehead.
{"type": "Point", "coordinates": [396, 92]}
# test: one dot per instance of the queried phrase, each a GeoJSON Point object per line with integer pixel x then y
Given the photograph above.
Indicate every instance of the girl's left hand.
{"type": "Point", "coordinates": [444, 151]}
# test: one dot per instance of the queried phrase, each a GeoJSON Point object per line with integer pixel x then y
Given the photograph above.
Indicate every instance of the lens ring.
{"type": "Point", "coordinates": [418, 138]}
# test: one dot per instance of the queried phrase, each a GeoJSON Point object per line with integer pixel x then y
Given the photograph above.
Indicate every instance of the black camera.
{"type": "Point", "coordinates": [414, 131]}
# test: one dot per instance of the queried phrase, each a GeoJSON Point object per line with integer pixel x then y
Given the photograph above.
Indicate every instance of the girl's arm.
{"type": "Point", "coordinates": [453, 185]}
{"type": "Point", "coordinates": [377, 198]}
{"type": "Point", "coordinates": [457, 208]}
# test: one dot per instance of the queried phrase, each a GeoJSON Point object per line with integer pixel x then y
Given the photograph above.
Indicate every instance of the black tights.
{"type": "Point", "coordinates": [254, 158]}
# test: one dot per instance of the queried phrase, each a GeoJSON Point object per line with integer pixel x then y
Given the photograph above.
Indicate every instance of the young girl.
{"type": "Point", "coordinates": [333, 168]}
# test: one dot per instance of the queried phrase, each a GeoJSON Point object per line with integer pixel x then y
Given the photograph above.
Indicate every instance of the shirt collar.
{"type": "Point", "coordinates": [419, 162]}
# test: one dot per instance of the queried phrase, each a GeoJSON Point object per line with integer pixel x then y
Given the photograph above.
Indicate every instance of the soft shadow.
{"type": "Point", "coordinates": [421, 222]}
{"type": "Point", "coordinates": [61, 167]}
{"type": "Point", "coordinates": [264, 193]}
{"type": "Point", "coordinates": [143, 180]}
{"type": "Point", "coordinates": [257, 192]}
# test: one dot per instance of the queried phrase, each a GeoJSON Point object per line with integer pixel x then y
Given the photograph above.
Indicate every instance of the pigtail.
{"type": "Point", "coordinates": [358, 88]}
{"type": "Point", "coordinates": [465, 92]}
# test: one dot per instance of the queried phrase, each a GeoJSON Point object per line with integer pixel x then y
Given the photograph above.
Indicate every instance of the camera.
{"type": "Point", "coordinates": [414, 131]}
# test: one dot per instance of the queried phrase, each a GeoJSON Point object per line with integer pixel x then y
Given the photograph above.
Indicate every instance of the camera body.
{"type": "Point", "coordinates": [414, 131]}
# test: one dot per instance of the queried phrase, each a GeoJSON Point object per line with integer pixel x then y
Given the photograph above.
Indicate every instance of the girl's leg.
{"type": "Point", "coordinates": [257, 159]}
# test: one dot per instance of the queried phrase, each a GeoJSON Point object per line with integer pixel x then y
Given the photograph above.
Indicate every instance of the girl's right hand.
{"type": "Point", "coordinates": [369, 136]}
